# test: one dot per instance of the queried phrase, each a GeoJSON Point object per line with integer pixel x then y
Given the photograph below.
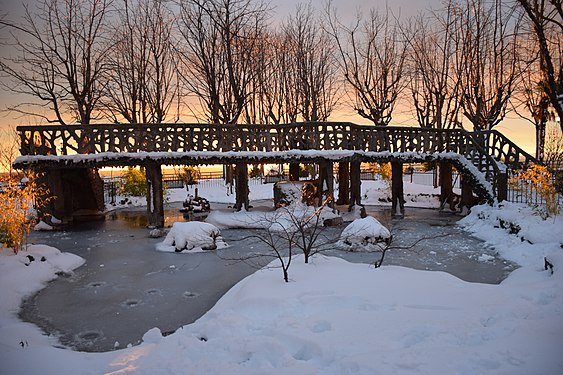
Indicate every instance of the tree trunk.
{"type": "Point", "coordinates": [540, 141]}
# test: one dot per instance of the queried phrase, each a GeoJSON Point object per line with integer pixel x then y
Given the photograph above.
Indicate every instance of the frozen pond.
{"type": "Point", "coordinates": [127, 287]}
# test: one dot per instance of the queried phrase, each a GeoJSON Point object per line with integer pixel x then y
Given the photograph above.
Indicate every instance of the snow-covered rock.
{"type": "Point", "coordinates": [152, 336]}
{"type": "Point", "coordinates": [42, 226]}
{"type": "Point", "coordinates": [366, 234]}
{"type": "Point", "coordinates": [156, 233]}
{"type": "Point", "coordinates": [193, 235]}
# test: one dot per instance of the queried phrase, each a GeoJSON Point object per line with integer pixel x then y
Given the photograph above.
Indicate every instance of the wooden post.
{"type": "Point", "coordinates": [294, 171]}
{"type": "Point", "coordinates": [446, 185]}
{"type": "Point", "coordinates": [355, 184]}
{"type": "Point", "coordinates": [466, 196]}
{"type": "Point", "coordinates": [241, 186]}
{"type": "Point", "coordinates": [502, 186]}
{"type": "Point", "coordinates": [326, 182]}
{"type": "Point", "coordinates": [343, 183]}
{"type": "Point", "coordinates": [58, 203]}
{"type": "Point", "coordinates": [155, 198]}
{"type": "Point", "coordinates": [397, 197]}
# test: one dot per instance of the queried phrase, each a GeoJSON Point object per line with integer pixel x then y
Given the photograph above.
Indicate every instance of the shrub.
{"type": "Point", "coordinates": [536, 184]}
{"type": "Point", "coordinates": [428, 166]}
{"type": "Point", "coordinates": [135, 183]}
{"type": "Point", "coordinates": [383, 169]}
{"type": "Point", "coordinates": [190, 175]}
{"type": "Point", "coordinates": [19, 200]}
{"type": "Point", "coordinates": [255, 171]}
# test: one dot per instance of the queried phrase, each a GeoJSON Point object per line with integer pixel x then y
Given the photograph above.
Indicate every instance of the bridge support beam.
{"type": "Point", "coordinates": [241, 186]}
{"type": "Point", "coordinates": [397, 196]}
{"type": "Point", "coordinates": [446, 185]}
{"type": "Point", "coordinates": [74, 194]}
{"type": "Point", "coordinates": [355, 184]}
{"type": "Point", "coordinates": [343, 183]}
{"type": "Point", "coordinates": [467, 199]}
{"type": "Point", "coordinates": [155, 198]}
{"type": "Point", "coordinates": [326, 183]}
{"type": "Point", "coordinates": [294, 171]}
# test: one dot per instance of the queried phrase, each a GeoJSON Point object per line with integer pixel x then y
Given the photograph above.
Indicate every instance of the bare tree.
{"type": "Point", "coordinates": [293, 228]}
{"type": "Point", "coordinates": [296, 74]}
{"type": "Point", "coordinates": [487, 60]}
{"type": "Point", "coordinates": [546, 17]}
{"type": "Point", "coordinates": [218, 40]}
{"type": "Point", "coordinates": [554, 153]}
{"type": "Point", "coordinates": [273, 97]}
{"type": "Point", "coordinates": [312, 50]}
{"type": "Point", "coordinates": [530, 100]}
{"type": "Point", "coordinates": [434, 84]}
{"type": "Point", "coordinates": [142, 79]}
{"type": "Point", "coordinates": [372, 58]}
{"type": "Point", "coordinates": [60, 57]}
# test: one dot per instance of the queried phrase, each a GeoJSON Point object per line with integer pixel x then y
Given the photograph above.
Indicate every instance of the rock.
{"type": "Point", "coordinates": [156, 233]}
{"type": "Point", "coordinates": [333, 222]}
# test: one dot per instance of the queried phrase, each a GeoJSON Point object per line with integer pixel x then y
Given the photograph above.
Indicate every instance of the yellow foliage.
{"type": "Point", "coordinates": [384, 169]}
{"type": "Point", "coordinates": [18, 200]}
{"type": "Point", "coordinates": [536, 184]}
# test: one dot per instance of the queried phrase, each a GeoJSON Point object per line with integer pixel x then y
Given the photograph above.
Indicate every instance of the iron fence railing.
{"type": "Point", "coordinates": [528, 192]}
{"type": "Point", "coordinates": [216, 179]}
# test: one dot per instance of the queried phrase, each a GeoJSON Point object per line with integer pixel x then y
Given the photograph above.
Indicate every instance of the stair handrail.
{"type": "Point", "coordinates": [513, 161]}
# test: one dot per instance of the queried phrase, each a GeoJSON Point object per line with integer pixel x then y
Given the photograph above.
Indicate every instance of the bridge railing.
{"type": "Point", "coordinates": [133, 138]}
{"type": "Point", "coordinates": [77, 139]}
{"type": "Point", "coordinates": [503, 149]}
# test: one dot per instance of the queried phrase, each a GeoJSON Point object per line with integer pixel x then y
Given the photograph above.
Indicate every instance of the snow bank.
{"type": "Point", "coordinates": [21, 275]}
{"type": "Point", "coordinates": [424, 323]}
{"type": "Point", "coordinates": [516, 231]}
{"type": "Point", "coordinates": [366, 234]}
{"type": "Point", "coordinates": [417, 321]}
{"type": "Point", "coordinates": [192, 236]}
{"type": "Point", "coordinates": [333, 317]}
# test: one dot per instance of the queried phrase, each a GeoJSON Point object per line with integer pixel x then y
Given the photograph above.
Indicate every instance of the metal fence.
{"type": "Point", "coordinates": [216, 179]}
{"type": "Point", "coordinates": [524, 191]}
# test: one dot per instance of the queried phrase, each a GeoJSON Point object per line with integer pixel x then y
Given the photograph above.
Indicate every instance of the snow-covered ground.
{"type": "Point", "coordinates": [375, 192]}
{"type": "Point", "coordinates": [334, 317]}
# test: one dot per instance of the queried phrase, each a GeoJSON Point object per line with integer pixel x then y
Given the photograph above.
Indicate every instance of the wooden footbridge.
{"type": "Point", "coordinates": [70, 155]}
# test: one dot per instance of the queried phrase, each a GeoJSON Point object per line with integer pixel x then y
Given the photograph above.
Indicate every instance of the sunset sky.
{"type": "Point", "coordinates": [518, 130]}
